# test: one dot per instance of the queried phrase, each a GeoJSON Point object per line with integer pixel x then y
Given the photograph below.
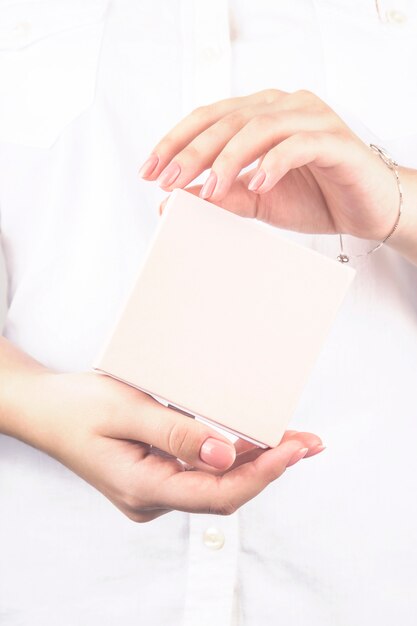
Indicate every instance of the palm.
{"type": "Point", "coordinates": [121, 464]}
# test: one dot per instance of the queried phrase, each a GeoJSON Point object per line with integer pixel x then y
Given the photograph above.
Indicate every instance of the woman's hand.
{"type": "Point", "coordinates": [313, 173]}
{"type": "Point", "coordinates": [127, 445]}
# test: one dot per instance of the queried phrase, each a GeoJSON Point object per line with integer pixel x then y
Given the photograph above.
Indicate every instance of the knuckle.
{"type": "Point", "coordinates": [221, 503]}
{"type": "Point", "coordinates": [263, 121]}
{"type": "Point", "coordinates": [190, 154]}
{"type": "Point", "coordinates": [304, 98]}
{"type": "Point", "coordinates": [335, 125]}
{"type": "Point", "coordinates": [133, 499]}
{"type": "Point", "coordinates": [134, 507]}
{"type": "Point", "coordinates": [225, 162]}
{"type": "Point", "coordinates": [317, 140]}
{"type": "Point", "coordinates": [234, 120]}
{"type": "Point", "coordinates": [200, 113]}
{"type": "Point", "coordinates": [224, 508]}
{"type": "Point", "coordinates": [180, 441]}
{"type": "Point", "coordinates": [166, 145]}
{"type": "Point", "coordinates": [132, 503]}
{"type": "Point", "coordinates": [343, 135]}
{"type": "Point", "coordinates": [304, 95]}
{"type": "Point", "coordinates": [271, 95]}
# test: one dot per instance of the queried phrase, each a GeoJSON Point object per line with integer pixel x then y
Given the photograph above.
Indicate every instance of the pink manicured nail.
{"type": "Point", "coordinates": [149, 166]}
{"type": "Point", "coordinates": [209, 186]}
{"type": "Point", "coordinates": [257, 180]}
{"type": "Point", "coordinates": [297, 456]}
{"type": "Point", "coordinates": [319, 448]}
{"type": "Point", "coordinates": [169, 175]}
{"type": "Point", "coordinates": [217, 453]}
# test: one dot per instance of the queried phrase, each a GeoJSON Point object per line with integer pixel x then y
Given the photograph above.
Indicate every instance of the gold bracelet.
{"type": "Point", "coordinates": [393, 165]}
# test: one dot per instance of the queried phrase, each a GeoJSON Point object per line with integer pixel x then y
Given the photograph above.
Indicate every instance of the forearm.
{"type": "Point", "coordinates": [18, 384]}
{"type": "Point", "coordinates": [404, 240]}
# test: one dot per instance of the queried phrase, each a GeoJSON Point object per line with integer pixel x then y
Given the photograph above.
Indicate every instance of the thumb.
{"type": "Point", "coordinates": [179, 435]}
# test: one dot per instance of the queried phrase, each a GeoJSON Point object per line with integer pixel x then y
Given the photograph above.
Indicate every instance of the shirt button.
{"type": "Point", "coordinates": [213, 538]}
{"type": "Point", "coordinates": [19, 35]}
{"type": "Point", "coordinates": [396, 17]}
{"type": "Point", "coordinates": [210, 53]}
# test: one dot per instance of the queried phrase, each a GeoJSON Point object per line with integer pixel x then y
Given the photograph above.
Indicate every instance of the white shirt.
{"type": "Point", "coordinates": [87, 87]}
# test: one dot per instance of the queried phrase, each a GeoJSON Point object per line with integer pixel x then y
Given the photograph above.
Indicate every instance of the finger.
{"type": "Point", "coordinates": [246, 457]}
{"type": "Point", "coordinates": [247, 451]}
{"type": "Point", "coordinates": [200, 153]}
{"type": "Point", "coordinates": [320, 447]}
{"type": "Point", "coordinates": [313, 443]}
{"type": "Point", "coordinates": [241, 446]}
{"type": "Point", "coordinates": [150, 484]}
{"type": "Point", "coordinates": [184, 132]}
{"type": "Point", "coordinates": [239, 138]}
{"type": "Point", "coordinates": [194, 124]}
{"type": "Point", "coordinates": [146, 420]}
{"type": "Point", "coordinates": [304, 148]}
{"type": "Point", "coordinates": [259, 136]}
{"type": "Point", "coordinates": [204, 493]}
{"type": "Point", "coordinates": [239, 199]}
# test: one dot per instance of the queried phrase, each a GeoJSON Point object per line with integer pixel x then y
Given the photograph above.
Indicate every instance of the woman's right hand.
{"type": "Point", "coordinates": [313, 173]}
{"type": "Point", "coordinates": [127, 445]}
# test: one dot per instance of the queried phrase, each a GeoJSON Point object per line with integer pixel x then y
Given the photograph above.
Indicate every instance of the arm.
{"type": "Point", "coordinates": [404, 240]}
{"type": "Point", "coordinates": [313, 174]}
{"type": "Point", "coordinates": [127, 445]}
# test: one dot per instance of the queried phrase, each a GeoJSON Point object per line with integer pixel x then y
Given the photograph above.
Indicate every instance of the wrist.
{"type": "Point", "coordinates": [22, 415]}
{"type": "Point", "coordinates": [404, 239]}
{"type": "Point", "coordinates": [20, 389]}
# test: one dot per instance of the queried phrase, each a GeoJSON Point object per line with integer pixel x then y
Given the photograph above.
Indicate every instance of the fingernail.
{"type": "Point", "coordinates": [297, 456]}
{"type": "Point", "coordinates": [257, 180]}
{"type": "Point", "coordinates": [149, 166]}
{"type": "Point", "coordinates": [319, 448]}
{"type": "Point", "coordinates": [169, 175]}
{"type": "Point", "coordinates": [209, 186]}
{"type": "Point", "coordinates": [217, 453]}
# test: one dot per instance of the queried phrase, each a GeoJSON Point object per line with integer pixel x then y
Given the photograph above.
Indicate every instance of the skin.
{"type": "Point", "coordinates": [127, 445]}
{"type": "Point", "coordinates": [318, 176]}
{"type": "Point", "coordinates": [314, 175]}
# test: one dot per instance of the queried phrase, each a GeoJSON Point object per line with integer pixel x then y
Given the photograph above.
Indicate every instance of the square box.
{"type": "Point", "coordinates": [225, 320]}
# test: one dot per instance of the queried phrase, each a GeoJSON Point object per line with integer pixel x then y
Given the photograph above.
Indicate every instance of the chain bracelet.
{"type": "Point", "coordinates": [393, 166]}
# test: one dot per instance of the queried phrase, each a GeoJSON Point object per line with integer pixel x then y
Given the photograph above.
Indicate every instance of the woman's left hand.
{"type": "Point", "coordinates": [313, 173]}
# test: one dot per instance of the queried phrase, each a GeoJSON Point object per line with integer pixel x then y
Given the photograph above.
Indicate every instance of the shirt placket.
{"type": "Point", "coordinates": [213, 540]}
{"type": "Point", "coordinates": [205, 52]}
{"type": "Point", "coordinates": [212, 568]}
